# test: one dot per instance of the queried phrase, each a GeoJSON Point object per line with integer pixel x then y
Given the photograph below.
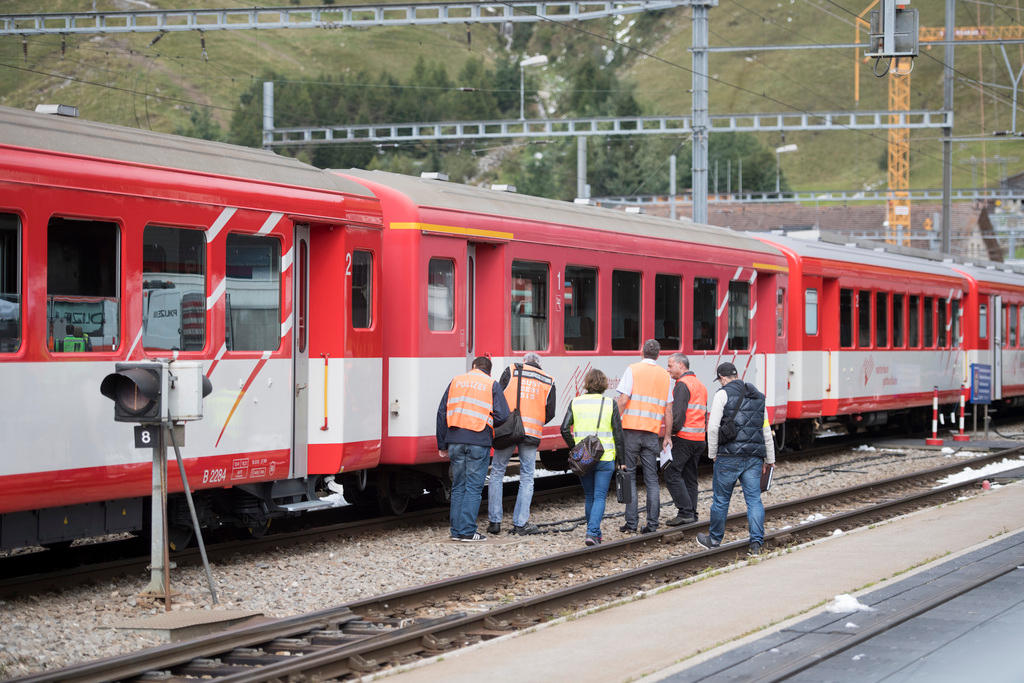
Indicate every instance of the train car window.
{"type": "Point", "coordinates": [882, 319]}
{"type": "Point", "coordinates": [253, 296]}
{"type": "Point", "coordinates": [897, 320]}
{"type": "Point", "coordinates": [529, 306]}
{"type": "Point", "coordinates": [780, 312]}
{"type": "Point", "coordinates": [983, 321]}
{"type": "Point", "coordinates": [914, 324]}
{"type": "Point", "coordinates": [441, 295]}
{"type": "Point", "coordinates": [954, 321]}
{"type": "Point", "coordinates": [811, 312]}
{"type": "Point", "coordinates": [361, 289]}
{"type": "Point", "coordinates": [845, 318]}
{"type": "Point", "coordinates": [625, 310]}
{"type": "Point", "coordinates": [173, 289]}
{"type": "Point", "coordinates": [739, 315]}
{"type": "Point", "coordinates": [83, 307]}
{"type": "Point", "coordinates": [940, 328]}
{"type": "Point", "coordinates": [10, 283]}
{"type": "Point", "coordinates": [863, 319]}
{"type": "Point", "coordinates": [580, 298]}
{"type": "Point", "coordinates": [929, 323]}
{"type": "Point", "coordinates": [667, 311]}
{"type": "Point", "coordinates": [705, 313]}
{"type": "Point", "coordinates": [1011, 338]}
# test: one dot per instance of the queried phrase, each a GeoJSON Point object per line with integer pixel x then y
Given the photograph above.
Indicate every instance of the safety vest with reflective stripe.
{"type": "Point", "coordinates": [695, 424]}
{"type": "Point", "coordinates": [585, 410]}
{"type": "Point", "coordinates": [470, 401]}
{"type": "Point", "coordinates": [533, 401]}
{"type": "Point", "coordinates": [646, 407]}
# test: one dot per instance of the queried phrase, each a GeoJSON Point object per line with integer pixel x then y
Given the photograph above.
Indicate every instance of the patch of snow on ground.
{"type": "Point", "coordinates": [865, 447]}
{"type": "Point", "coordinates": [970, 473]}
{"type": "Point", "coordinates": [847, 603]}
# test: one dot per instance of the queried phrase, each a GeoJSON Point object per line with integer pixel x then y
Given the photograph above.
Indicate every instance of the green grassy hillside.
{"type": "Point", "coordinates": [124, 79]}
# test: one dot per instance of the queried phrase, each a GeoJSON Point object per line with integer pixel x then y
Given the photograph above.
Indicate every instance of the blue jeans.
{"type": "Point", "coordinates": [729, 469]}
{"type": "Point", "coordinates": [468, 471]}
{"type": "Point", "coordinates": [643, 448]}
{"type": "Point", "coordinates": [527, 460]}
{"type": "Point", "coordinates": [595, 491]}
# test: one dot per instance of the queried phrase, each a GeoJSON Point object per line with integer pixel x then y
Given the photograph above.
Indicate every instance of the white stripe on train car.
{"type": "Point", "coordinates": [271, 223]}
{"type": "Point", "coordinates": [286, 259]}
{"type": "Point", "coordinates": [218, 292]}
{"type": "Point", "coordinates": [219, 224]}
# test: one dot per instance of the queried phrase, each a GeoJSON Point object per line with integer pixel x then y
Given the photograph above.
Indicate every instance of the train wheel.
{"type": "Point", "coordinates": [179, 536]}
{"type": "Point", "coordinates": [393, 503]}
{"type": "Point", "coordinates": [441, 493]}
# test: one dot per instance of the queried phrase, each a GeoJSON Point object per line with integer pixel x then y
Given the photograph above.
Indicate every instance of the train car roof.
{"type": "Point", "coordinates": [458, 197]}
{"type": "Point", "coordinates": [991, 272]}
{"type": "Point", "coordinates": [863, 253]}
{"type": "Point", "coordinates": [62, 134]}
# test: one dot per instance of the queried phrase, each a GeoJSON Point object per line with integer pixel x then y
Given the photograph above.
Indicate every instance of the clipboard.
{"type": "Point", "coordinates": [766, 478]}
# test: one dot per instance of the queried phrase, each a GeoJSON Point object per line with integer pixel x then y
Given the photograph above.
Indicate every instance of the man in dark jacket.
{"type": "Point", "coordinates": [738, 408]}
{"type": "Point", "coordinates": [689, 420]}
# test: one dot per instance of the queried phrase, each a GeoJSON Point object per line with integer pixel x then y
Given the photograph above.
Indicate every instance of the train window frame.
{"type": "Point", "coordinates": [11, 264]}
{"type": "Point", "coordinates": [899, 337]}
{"type": "Point", "coordinates": [983, 320]}
{"type": "Point", "coordinates": [914, 321]}
{"type": "Point", "coordinates": [1011, 315]}
{"type": "Point", "coordinates": [534, 310]}
{"type": "Point", "coordinates": [882, 319]}
{"type": "Point", "coordinates": [928, 328]}
{"type": "Point", "coordinates": [663, 309]}
{"type": "Point", "coordinates": [365, 289]}
{"type": "Point", "coordinates": [846, 314]}
{"type": "Point", "coordinates": [572, 295]}
{"type": "Point", "coordinates": [780, 312]}
{"type": "Point", "coordinates": [811, 312]}
{"type": "Point", "coordinates": [864, 327]}
{"type": "Point", "coordinates": [192, 302]}
{"type": "Point", "coordinates": [107, 290]}
{"type": "Point", "coordinates": [619, 316]}
{"type": "Point", "coordinates": [955, 321]}
{"type": "Point", "coordinates": [738, 316]}
{"type": "Point", "coordinates": [702, 286]}
{"type": "Point", "coordinates": [446, 282]}
{"type": "Point", "coordinates": [942, 322]}
{"type": "Point", "coordinates": [268, 331]}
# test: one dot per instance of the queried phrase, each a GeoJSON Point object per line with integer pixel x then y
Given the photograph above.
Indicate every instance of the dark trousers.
{"type": "Point", "coordinates": [681, 474]}
{"type": "Point", "coordinates": [643, 448]}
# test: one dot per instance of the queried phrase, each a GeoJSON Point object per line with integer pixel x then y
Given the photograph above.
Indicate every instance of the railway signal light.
{"type": "Point", "coordinates": [137, 390]}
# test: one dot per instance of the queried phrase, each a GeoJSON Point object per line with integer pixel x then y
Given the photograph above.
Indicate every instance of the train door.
{"type": "Point", "coordinates": [995, 336]}
{"type": "Point", "coordinates": [300, 352]}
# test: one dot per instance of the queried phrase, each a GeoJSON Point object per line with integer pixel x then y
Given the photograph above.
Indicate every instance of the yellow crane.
{"type": "Point", "coordinates": [898, 213]}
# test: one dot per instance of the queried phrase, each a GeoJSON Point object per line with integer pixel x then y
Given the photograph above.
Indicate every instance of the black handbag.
{"type": "Point", "coordinates": [623, 493]}
{"type": "Point", "coordinates": [511, 431]}
{"type": "Point", "coordinates": [584, 456]}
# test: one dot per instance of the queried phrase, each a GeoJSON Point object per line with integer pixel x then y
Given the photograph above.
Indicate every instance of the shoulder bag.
{"type": "Point", "coordinates": [585, 455]}
{"type": "Point", "coordinates": [511, 431]}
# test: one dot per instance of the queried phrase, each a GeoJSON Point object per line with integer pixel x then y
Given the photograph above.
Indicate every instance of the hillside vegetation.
{"type": "Point", "coordinates": [633, 64]}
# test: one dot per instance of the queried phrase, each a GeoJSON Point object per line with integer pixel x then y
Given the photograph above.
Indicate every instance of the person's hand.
{"type": "Point", "coordinates": [765, 466]}
{"type": "Point", "coordinates": [443, 454]}
{"type": "Point", "coordinates": [666, 442]}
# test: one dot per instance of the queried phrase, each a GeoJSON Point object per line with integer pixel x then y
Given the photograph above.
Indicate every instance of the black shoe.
{"type": "Point", "coordinates": [527, 529]}
{"type": "Point", "coordinates": [754, 549]}
{"type": "Point", "coordinates": [494, 528]}
{"type": "Point", "coordinates": [681, 519]}
{"type": "Point", "coordinates": [473, 538]}
{"type": "Point", "coordinates": [705, 540]}
{"type": "Point", "coordinates": [627, 529]}
{"type": "Point", "coordinates": [649, 529]}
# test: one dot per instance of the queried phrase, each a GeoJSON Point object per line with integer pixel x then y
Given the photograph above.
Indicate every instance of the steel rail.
{"type": "Point", "coordinates": [439, 635]}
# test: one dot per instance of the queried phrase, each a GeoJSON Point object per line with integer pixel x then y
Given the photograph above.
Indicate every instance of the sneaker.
{"type": "Point", "coordinates": [591, 541]}
{"type": "Point", "coordinates": [627, 529]}
{"type": "Point", "coordinates": [475, 538]}
{"type": "Point", "coordinates": [705, 540]}
{"type": "Point", "coordinates": [527, 529]}
{"type": "Point", "coordinates": [494, 528]}
{"type": "Point", "coordinates": [649, 529]}
{"type": "Point", "coordinates": [754, 549]}
{"type": "Point", "coordinates": [681, 519]}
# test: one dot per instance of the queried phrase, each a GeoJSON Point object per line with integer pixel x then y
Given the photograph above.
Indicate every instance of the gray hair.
{"type": "Point", "coordinates": [652, 349]}
{"type": "Point", "coordinates": [681, 359]}
{"type": "Point", "coordinates": [532, 359]}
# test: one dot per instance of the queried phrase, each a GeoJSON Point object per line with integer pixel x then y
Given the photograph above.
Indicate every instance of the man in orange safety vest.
{"type": "Point", "coordinates": [689, 427]}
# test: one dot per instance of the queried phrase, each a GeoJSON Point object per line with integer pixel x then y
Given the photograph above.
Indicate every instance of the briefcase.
{"type": "Point", "coordinates": [623, 492]}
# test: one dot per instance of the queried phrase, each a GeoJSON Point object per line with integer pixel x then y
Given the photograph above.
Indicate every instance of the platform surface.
{"type": "Point", "coordinates": [664, 633]}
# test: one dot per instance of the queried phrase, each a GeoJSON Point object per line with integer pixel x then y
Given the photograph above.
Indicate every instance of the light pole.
{"type": "Point", "coordinates": [536, 60]}
{"type": "Point", "coordinates": [778, 171]}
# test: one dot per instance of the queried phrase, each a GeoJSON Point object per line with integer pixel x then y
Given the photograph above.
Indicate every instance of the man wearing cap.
{"type": "Point", "coordinates": [740, 444]}
{"type": "Point", "coordinates": [645, 395]}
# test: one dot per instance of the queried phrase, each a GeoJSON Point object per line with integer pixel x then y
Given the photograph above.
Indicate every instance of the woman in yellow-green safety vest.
{"type": "Point", "coordinates": [593, 413]}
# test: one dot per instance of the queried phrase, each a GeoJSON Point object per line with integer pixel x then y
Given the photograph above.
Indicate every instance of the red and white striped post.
{"type": "Point", "coordinates": [963, 401]}
{"type": "Point", "coordinates": [935, 440]}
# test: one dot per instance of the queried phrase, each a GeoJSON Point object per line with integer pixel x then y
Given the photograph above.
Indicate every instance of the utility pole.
{"type": "Point", "coordinates": [947, 133]}
{"type": "Point", "coordinates": [701, 122]}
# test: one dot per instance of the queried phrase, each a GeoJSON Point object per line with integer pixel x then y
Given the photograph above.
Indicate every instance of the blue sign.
{"type": "Point", "coordinates": [981, 383]}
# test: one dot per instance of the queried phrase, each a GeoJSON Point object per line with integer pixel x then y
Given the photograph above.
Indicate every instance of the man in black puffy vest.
{"type": "Point", "coordinates": [741, 445]}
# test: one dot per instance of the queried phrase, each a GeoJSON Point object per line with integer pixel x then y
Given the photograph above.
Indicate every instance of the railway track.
{"type": "Point", "coordinates": [368, 635]}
